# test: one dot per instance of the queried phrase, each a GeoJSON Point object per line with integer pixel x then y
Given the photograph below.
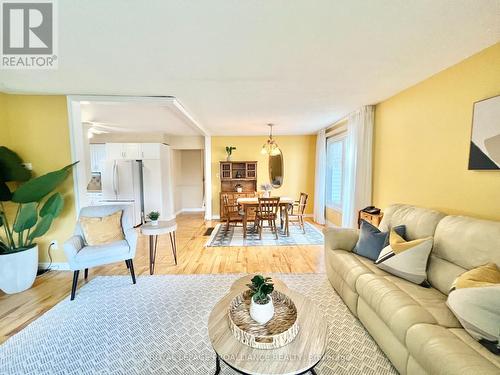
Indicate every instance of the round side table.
{"type": "Point", "coordinates": [153, 231]}
{"type": "Point", "coordinates": [298, 357]}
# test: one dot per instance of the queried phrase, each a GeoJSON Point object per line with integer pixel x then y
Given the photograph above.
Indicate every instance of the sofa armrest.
{"type": "Point", "coordinates": [72, 246]}
{"type": "Point", "coordinates": [131, 238]}
{"type": "Point", "coordinates": [340, 238]}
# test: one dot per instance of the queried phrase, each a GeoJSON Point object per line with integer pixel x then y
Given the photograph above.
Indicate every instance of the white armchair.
{"type": "Point", "coordinates": [82, 257]}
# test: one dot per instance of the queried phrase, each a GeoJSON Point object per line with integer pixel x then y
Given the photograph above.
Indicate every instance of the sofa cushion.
{"type": "Point", "coordinates": [420, 222]}
{"type": "Point", "coordinates": [440, 351]}
{"type": "Point", "coordinates": [460, 244]}
{"type": "Point", "coordinates": [402, 304]}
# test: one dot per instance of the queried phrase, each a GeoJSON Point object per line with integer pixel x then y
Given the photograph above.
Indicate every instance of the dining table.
{"type": "Point", "coordinates": [248, 204]}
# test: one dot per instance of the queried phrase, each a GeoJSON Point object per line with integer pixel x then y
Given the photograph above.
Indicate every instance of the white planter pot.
{"type": "Point", "coordinates": [154, 222]}
{"type": "Point", "coordinates": [267, 194]}
{"type": "Point", "coordinates": [18, 270]}
{"type": "Point", "coordinates": [262, 313]}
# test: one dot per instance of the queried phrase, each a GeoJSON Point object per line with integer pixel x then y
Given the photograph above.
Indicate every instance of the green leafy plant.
{"type": "Point", "coordinates": [35, 210]}
{"type": "Point", "coordinates": [229, 150]}
{"type": "Point", "coordinates": [153, 215]}
{"type": "Point", "coordinates": [260, 288]}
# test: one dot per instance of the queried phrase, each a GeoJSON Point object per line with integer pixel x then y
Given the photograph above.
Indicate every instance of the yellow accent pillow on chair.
{"type": "Point", "coordinates": [102, 230]}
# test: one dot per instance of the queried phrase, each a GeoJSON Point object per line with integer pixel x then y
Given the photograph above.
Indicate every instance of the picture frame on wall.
{"type": "Point", "coordinates": [485, 136]}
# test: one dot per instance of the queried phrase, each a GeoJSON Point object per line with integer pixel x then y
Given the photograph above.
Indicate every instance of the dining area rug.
{"type": "Point", "coordinates": [234, 236]}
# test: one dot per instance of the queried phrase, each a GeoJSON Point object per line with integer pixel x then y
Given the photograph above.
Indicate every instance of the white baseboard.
{"type": "Point", "coordinates": [330, 224]}
{"type": "Point", "coordinates": [196, 209]}
{"type": "Point", "coordinates": [57, 266]}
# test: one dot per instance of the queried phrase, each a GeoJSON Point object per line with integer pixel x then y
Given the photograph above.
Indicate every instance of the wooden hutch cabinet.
{"type": "Point", "coordinates": [234, 173]}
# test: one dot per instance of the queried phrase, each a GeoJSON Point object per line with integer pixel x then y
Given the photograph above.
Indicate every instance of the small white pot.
{"type": "Point", "coordinates": [239, 190]}
{"type": "Point", "coordinates": [154, 222]}
{"type": "Point", "coordinates": [18, 270]}
{"type": "Point", "coordinates": [267, 194]}
{"type": "Point", "coordinates": [262, 313]}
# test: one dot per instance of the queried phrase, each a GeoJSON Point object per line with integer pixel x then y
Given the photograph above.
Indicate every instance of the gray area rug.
{"type": "Point", "coordinates": [234, 236]}
{"type": "Point", "coordinates": [159, 326]}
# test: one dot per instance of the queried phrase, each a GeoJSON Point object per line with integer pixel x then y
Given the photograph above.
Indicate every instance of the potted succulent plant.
{"type": "Point", "coordinates": [25, 215]}
{"type": "Point", "coordinates": [261, 304]}
{"type": "Point", "coordinates": [229, 151]}
{"type": "Point", "coordinates": [153, 216]}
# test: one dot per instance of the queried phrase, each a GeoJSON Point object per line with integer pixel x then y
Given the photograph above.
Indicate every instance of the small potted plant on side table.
{"type": "Point", "coordinates": [261, 305]}
{"type": "Point", "coordinates": [154, 216]}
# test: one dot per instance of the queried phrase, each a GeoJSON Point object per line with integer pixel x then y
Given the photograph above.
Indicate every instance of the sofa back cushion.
{"type": "Point", "coordinates": [420, 222]}
{"type": "Point", "coordinates": [460, 244]}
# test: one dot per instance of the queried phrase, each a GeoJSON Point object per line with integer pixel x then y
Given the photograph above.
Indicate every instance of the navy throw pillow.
{"type": "Point", "coordinates": [371, 240]}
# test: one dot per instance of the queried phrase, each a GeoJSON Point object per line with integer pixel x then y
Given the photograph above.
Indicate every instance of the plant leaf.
{"type": "Point", "coordinates": [11, 168]}
{"type": "Point", "coordinates": [53, 205]}
{"type": "Point", "coordinates": [42, 227]}
{"type": "Point", "coordinates": [5, 194]}
{"type": "Point", "coordinates": [27, 218]}
{"type": "Point", "coordinates": [34, 190]}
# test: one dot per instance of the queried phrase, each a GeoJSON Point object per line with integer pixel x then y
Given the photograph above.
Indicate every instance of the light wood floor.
{"type": "Point", "coordinates": [18, 310]}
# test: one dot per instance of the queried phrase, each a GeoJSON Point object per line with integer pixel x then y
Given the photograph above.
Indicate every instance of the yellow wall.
{"type": "Point", "coordinates": [4, 130]}
{"type": "Point", "coordinates": [299, 153]}
{"type": "Point", "coordinates": [38, 129]}
{"type": "Point", "coordinates": [421, 144]}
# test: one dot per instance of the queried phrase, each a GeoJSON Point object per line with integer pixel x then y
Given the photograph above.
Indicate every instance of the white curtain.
{"type": "Point", "coordinates": [319, 183]}
{"type": "Point", "coordinates": [358, 169]}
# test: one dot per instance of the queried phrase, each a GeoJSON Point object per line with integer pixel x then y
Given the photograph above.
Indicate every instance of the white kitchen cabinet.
{"type": "Point", "coordinates": [114, 151]}
{"type": "Point", "coordinates": [97, 157]}
{"type": "Point", "coordinates": [132, 151]}
{"type": "Point", "coordinates": [150, 150]}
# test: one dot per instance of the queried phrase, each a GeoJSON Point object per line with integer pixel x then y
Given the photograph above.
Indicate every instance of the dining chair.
{"type": "Point", "coordinates": [232, 213]}
{"type": "Point", "coordinates": [296, 211]}
{"type": "Point", "coordinates": [82, 256]}
{"type": "Point", "coordinates": [267, 211]}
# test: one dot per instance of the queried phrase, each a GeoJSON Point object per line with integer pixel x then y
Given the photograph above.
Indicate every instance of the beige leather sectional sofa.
{"type": "Point", "coordinates": [410, 323]}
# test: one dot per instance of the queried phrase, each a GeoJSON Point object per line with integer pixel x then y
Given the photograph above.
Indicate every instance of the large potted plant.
{"type": "Point", "coordinates": [25, 215]}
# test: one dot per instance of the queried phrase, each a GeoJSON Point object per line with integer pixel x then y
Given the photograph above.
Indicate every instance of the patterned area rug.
{"type": "Point", "coordinates": [159, 326]}
{"type": "Point", "coordinates": [234, 236]}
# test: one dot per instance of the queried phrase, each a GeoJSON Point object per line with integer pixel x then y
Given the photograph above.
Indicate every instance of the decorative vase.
{"type": "Point", "coordinates": [262, 313]}
{"type": "Point", "coordinates": [154, 222]}
{"type": "Point", "coordinates": [267, 194]}
{"type": "Point", "coordinates": [228, 158]}
{"type": "Point", "coordinates": [18, 270]}
{"type": "Point", "coordinates": [239, 189]}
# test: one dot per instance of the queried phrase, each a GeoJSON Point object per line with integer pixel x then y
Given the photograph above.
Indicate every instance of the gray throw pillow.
{"type": "Point", "coordinates": [371, 240]}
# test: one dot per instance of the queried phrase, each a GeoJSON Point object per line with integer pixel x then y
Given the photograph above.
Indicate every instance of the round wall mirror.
{"type": "Point", "coordinates": [276, 169]}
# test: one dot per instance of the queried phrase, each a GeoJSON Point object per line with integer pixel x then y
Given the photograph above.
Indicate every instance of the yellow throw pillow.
{"type": "Point", "coordinates": [486, 275]}
{"type": "Point", "coordinates": [102, 230]}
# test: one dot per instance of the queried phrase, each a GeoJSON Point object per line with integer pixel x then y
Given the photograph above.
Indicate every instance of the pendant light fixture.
{"type": "Point", "coordinates": [270, 147]}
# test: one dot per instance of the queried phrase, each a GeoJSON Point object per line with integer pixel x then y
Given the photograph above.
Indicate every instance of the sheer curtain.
{"type": "Point", "coordinates": [358, 168]}
{"type": "Point", "coordinates": [319, 183]}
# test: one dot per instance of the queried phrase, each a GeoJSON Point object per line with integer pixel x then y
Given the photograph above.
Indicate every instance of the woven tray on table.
{"type": "Point", "coordinates": [278, 332]}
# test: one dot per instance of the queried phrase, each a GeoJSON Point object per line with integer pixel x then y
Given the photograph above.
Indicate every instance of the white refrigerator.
{"type": "Point", "coordinates": [121, 185]}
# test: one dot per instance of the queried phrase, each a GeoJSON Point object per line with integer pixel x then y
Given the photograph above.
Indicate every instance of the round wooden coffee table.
{"type": "Point", "coordinates": [298, 357]}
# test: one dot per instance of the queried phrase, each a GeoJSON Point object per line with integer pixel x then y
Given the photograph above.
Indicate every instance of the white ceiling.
{"type": "Point", "coordinates": [136, 117]}
{"type": "Point", "coordinates": [237, 65]}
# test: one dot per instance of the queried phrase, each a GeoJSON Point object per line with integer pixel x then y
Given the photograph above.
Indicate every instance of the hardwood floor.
{"type": "Point", "coordinates": [18, 310]}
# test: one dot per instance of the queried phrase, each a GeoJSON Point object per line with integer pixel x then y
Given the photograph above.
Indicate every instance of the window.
{"type": "Point", "coordinates": [335, 161]}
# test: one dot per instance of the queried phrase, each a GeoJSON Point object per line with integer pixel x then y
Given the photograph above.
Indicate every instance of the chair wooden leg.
{"type": "Point", "coordinates": [75, 283]}
{"type": "Point", "coordinates": [275, 229]}
{"type": "Point", "coordinates": [126, 262]}
{"type": "Point", "coordinates": [261, 224]}
{"type": "Point", "coordinates": [131, 268]}
{"type": "Point", "coordinates": [86, 273]}
{"type": "Point", "coordinates": [302, 224]}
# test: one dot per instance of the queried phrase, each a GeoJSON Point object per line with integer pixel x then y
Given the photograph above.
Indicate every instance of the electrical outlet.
{"type": "Point", "coordinates": [28, 166]}
{"type": "Point", "coordinates": [54, 244]}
